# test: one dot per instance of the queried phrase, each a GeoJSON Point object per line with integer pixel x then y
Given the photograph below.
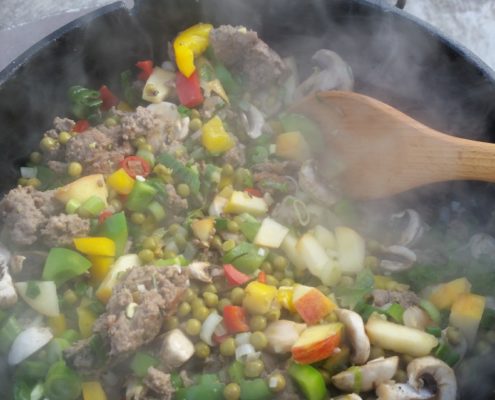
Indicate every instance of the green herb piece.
{"type": "Point", "coordinates": [185, 174]}
{"type": "Point", "coordinates": [32, 290]}
{"type": "Point", "coordinates": [395, 311]}
{"type": "Point", "coordinates": [85, 103]}
{"type": "Point", "coordinates": [363, 286]}
{"type": "Point", "coordinates": [141, 362]}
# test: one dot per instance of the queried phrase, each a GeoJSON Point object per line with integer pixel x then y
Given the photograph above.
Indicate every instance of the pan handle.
{"type": "Point", "coordinates": [401, 4]}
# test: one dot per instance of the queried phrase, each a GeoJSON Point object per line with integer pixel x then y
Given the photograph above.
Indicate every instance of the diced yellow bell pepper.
{"type": "Point", "coordinates": [99, 268]}
{"type": "Point", "coordinates": [215, 138]}
{"type": "Point", "coordinates": [284, 297]}
{"type": "Point", "coordinates": [466, 313]}
{"type": "Point", "coordinates": [92, 390]}
{"type": "Point", "coordinates": [121, 182]}
{"type": "Point", "coordinates": [95, 246]}
{"type": "Point", "coordinates": [189, 44]}
{"type": "Point", "coordinates": [57, 324]}
{"type": "Point", "coordinates": [203, 229]}
{"type": "Point", "coordinates": [85, 320]}
{"type": "Point", "coordinates": [444, 295]}
{"type": "Point", "coordinates": [258, 297]}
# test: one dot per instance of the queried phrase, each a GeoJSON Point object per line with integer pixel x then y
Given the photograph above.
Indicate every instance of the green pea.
{"type": "Point", "coordinates": [149, 243]}
{"type": "Point", "coordinates": [232, 391]}
{"type": "Point", "coordinates": [216, 242]}
{"type": "Point", "coordinates": [210, 287]}
{"type": "Point", "coordinates": [287, 282]}
{"type": "Point", "coordinates": [146, 147]}
{"type": "Point", "coordinates": [110, 122]}
{"type": "Point", "coordinates": [171, 323]}
{"type": "Point", "coordinates": [266, 266]}
{"type": "Point", "coordinates": [183, 190]}
{"type": "Point", "coordinates": [64, 137]}
{"type": "Point", "coordinates": [189, 295]}
{"type": "Point", "coordinates": [48, 143]}
{"type": "Point", "coordinates": [258, 340]}
{"type": "Point", "coordinates": [227, 347]}
{"type": "Point", "coordinates": [271, 280]}
{"type": "Point", "coordinates": [70, 297]}
{"type": "Point", "coordinates": [277, 382]}
{"type": "Point", "coordinates": [371, 262]}
{"type": "Point", "coordinates": [195, 114]}
{"type": "Point", "coordinates": [201, 313]}
{"type": "Point", "coordinates": [36, 157]}
{"type": "Point", "coordinates": [74, 169]}
{"type": "Point", "coordinates": [211, 299]}
{"type": "Point", "coordinates": [273, 315]}
{"type": "Point", "coordinates": [232, 227]}
{"type": "Point", "coordinates": [138, 218]}
{"type": "Point", "coordinates": [183, 309]}
{"type": "Point", "coordinates": [228, 245]}
{"type": "Point", "coordinates": [146, 255]}
{"type": "Point", "coordinates": [222, 303]}
{"type": "Point", "coordinates": [227, 170]}
{"type": "Point", "coordinates": [193, 327]}
{"type": "Point", "coordinates": [280, 263]}
{"type": "Point", "coordinates": [34, 182]}
{"type": "Point", "coordinates": [201, 350]}
{"type": "Point", "coordinates": [237, 296]}
{"type": "Point", "coordinates": [253, 368]}
{"type": "Point", "coordinates": [278, 275]}
{"type": "Point", "coordinates": [257, 323]}
{"type": "Point", "coordinates": [197, 302]}
{"type": "Point", "coordinates": [173, 228]}
{"type": "Point", "coordinates": [195, 124]}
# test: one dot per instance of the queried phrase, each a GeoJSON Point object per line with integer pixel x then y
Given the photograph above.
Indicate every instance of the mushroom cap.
{"type": "Point", "coordinates": [422, 371]}
{"type": "Point", "coordinates": [354, 327]}
{"type": "Point", "coordinates": [402, 391]}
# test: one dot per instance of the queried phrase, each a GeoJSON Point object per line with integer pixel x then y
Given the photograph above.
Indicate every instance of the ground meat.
{"type": "Point", "coordinates": [58, 167]}
{"type": "Point", "coordinates": [236, 156]}
{"type": "Point", "coordinates": [97, 151]}
{"type": "Point", "coordinates": [82, 356]}
{"type": "Point", "coordinates": [159, 291]}
{"type": "Point", "coordinates": [160, 383]}
{"type": "Point", "coordinates": [137, 124]}
{"type": "Point", "coordinates": [273, 183]}
{"type": "Point", "coordinates": [24, 211]}
{"type": "Point", "coordinates": [63, 124]}
{"type": "Point", "coordinates": [406, 298]}
{"type": "Point", "coordinates": [174, 201]}
{"type": "Point", "coordinates": [61, 229]}
{"type": "Point", "coordinates": [245, 54]}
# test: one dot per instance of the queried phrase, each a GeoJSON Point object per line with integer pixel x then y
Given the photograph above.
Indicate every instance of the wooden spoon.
{"type": "Point", "coordinates": [385, 152]}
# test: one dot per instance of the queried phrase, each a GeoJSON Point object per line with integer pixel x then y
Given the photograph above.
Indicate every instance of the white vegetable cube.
{"type": "Point", "coordinates": [466, 315]}
{"type": "Point", "coordinates": [271, 234]}
{"type": "Point", "coordinates": [158, 85]}
{"type": "Point", "coordinates": [351, 248]}
{"type": "Point", "coordinates": [289, 247]}
{"type": "Point", "coordinates": [176, 348]}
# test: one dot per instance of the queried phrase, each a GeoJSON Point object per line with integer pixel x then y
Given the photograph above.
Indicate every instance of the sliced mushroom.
{"type": "Point", "coordinates": [401, 391]}
{"type": "Point", "coordinates": [199, 270]}
{"type": "Point", "coordinates": [368, 376]}
{"type": "Point", "coordinates": [354, 327]}
{"type": "Point", "coordinates": [416, 317]}
{"type": "Point", "coordinates": [309, 183]}
{"type": "Point", "coordinates": [333, 74]}
{"type": "Point", "coordinates": [253, 121]}
{"type": "Point", "coordinates": [412, 226]}
{"type": "Point", "coordinates": [397, 259]}
{"type": "Point", "coordinates": [433, 374]}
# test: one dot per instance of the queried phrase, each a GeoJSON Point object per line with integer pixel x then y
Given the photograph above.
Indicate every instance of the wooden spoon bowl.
{"type": "Point", "coordinates": [385, 152]}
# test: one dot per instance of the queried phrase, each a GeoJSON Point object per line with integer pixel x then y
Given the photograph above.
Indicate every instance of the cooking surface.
{"type": "Point", "coordinates": [23, 22]}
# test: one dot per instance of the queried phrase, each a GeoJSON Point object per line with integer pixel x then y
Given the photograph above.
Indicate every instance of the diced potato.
{"type": "Point", "coordinates": [292, 146]}
{"type": "Point", "coordinates": [122, 264]}
{"type": "Point", "coordinates": [158, 85]}
{"type": "Point", "coordinates": [83, 188]}
{"type": "Point", "coordinates": [217, 206]}
{"type": "Point", "coordinates": [445, 294]}
{"type": "Point", "coordinates": [45, 301]}
{"type": "Point", "coordinates": [466, 315]}
{"type": "Point", "coordinates": [325, 237]}
{"type": "Point", "coordinates": [351, 248]}
{"type": "Point", "coordinates": [399, 338]}
{"type": "Point", "coordinates": [203, 228]}
{"type": "Point", "coordinates": [242, 202]}
{"type": "Point", "coordinates": [330, 273]}
{"type": "Point", "coordinates": [312, 254]}
{"type": "Point", "coordinates": [271, 234]}
{"type": "Point", "coordinates": [289, 247]}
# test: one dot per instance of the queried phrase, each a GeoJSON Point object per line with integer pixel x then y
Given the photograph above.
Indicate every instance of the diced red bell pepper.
{"type": "Point", "coordinates": [189, 89]}
{"type": "Point", "coordinates": [104, 215]}
{"type": "Point", "coordinates": [108, 98]}
{"type": "Point", "coordinates": [81, 125]}
{"type": "Point", "coordinates": [262, 277]}
{"type": "Point", "coordinates": [234, 319]}
{"type": "Point", "coordinates": [146, 68]}
{"type": "Point", "coordinates": [234, 276]}
{"type": "Point", "coordinates": [254, 192]}
{"type": "Point", "coordinates": [134, 166]}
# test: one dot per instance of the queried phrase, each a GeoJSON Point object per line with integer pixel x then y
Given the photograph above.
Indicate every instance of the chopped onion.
{"type": "Point", "coordinates": [141, 288]}
{"type": "Point", "coordinates": [29, 172]}
{"type": "Point", "coordinates": [242, 338]}
{"type": "Point", "coordinates": [244, 351]}
{"type": "Point", "coordinates": [209, 326]}
{"type": "Point", "coordinates": [220, 330]}
{"type": "Point", "coordinates": [28, 342]}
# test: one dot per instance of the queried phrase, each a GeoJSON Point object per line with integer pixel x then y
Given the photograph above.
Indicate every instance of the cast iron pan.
{"type": "Point", "coordinates": [394, 57]}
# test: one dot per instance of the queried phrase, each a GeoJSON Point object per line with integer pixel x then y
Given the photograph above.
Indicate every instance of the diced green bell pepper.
{"type": "Point", "coordinates": [178, 260]}
{"type": "Point", "coordinates": [246, 257]}
{"type": "Point", "coordinates": [395, 311]}
{"type": "Point", "coordinates": [141, 362]}
{"type": "Point", "coordinates": [115, 228]}
{"type": "Point", "coordinates": [92, 207]}
{"type": "Point", "coordinates": [207, 388]}
{"type": "Point", "coordinates": [255, 389]}
{"type": "Point", "coordinates": [309, 380]}
{"type": "Point", "coordinates": [338, 361]}
{"type": "Point", "coordinates": [236, 372]}
{"type": "Point", "coordinates": [62, 383]}
{"type": "Point", "coordinates": [64, 264]}
{"type": "Point", "coordinates": [249, 226]}
{"type": "Point", "coordinates": [8, 333]}
{"type": "Point", "coordinates": [141, 196]}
